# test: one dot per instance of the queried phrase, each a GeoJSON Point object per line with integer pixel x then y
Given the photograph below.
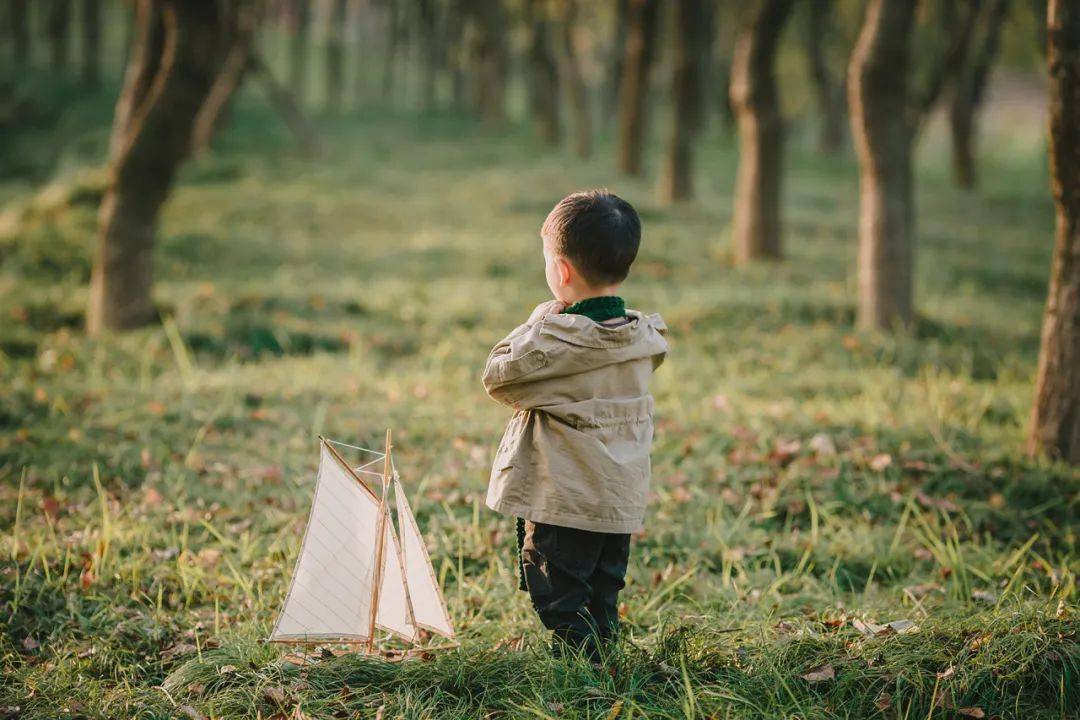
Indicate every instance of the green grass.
{"type": "Point", "coordinates": [153, 486]}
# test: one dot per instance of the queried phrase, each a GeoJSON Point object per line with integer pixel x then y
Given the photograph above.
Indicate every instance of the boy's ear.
{"type": "Point", "coordinates": [566, 270]}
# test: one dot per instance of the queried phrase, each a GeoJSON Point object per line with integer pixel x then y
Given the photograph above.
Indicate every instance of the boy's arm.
{"type": "Point", "coordinates": [515, 357]}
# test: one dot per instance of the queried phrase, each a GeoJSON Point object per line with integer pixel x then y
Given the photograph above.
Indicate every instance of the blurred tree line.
{"type": "Point", "coordinates": [877, 69]}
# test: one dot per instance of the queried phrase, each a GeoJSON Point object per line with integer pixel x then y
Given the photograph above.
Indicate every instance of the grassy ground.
{"type": "Point", "coordinates": [811, 483]}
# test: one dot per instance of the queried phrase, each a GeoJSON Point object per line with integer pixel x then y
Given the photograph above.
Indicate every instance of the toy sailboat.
{"type": "Point", "coordinates": [356, 572]}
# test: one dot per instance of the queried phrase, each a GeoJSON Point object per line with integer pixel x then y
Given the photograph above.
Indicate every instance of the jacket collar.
{"type": "Point", "coordinates": [580, 330]}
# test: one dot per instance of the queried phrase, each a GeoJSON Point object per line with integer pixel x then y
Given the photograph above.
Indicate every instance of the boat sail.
{"type": "Point", "coordinates": [355, 573]}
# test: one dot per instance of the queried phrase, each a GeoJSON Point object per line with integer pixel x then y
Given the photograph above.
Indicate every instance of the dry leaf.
{"type": "Point", "coordinates": [226, 669]}
{"type": "Point", "coordinates": [152, 497]}
{"type": "Point", "coordinates": [880, 462]}
{"type": "Point", "coordinates": [30, 643]}
{"type": "Point", "coordinates": [823, 445]}
{"type": "Point", "coordinates": [870, 629]}
{"type": "Point", "coordinates": [971, 712]}
{"type": "Point", "coordinates": [985, 596]}
{"type": "Point", "coordinates": [51, 507]}
{"type": "Point", "coordinates": [820, 674]}
{"type": "Point", "coordinates": [615, 710]}
{"type": "Point", "coordinates": [903, 626]}
{"type": "Point", "coordinates": [180, 648]}
{"type": "Point", "coordinates": [884, 701]}
{"type": "Point", "coordinates": [947, 673]}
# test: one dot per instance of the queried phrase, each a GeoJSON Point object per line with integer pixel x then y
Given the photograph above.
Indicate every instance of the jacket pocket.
{"type": "Point", "coordinates": [511, 370]}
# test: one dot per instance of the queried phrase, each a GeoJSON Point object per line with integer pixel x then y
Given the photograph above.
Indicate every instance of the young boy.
{"type": "Point", "coordinates": [573, 464]}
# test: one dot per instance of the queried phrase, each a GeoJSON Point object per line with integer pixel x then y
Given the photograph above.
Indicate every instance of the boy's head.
{"type": "Point", "coordinates": [590, 240]}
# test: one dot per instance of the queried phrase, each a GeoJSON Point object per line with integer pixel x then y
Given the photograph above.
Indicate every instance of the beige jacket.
{"type": "Point", "coordinates": [576, 453]}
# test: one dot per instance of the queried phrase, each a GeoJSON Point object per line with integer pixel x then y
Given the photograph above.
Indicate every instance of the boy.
{"type": "Point", "coordinates": [573, 464]}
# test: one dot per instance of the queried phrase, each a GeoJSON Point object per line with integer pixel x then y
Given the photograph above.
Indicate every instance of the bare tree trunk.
{"type": "Point", "coordinates": [287, 107]}
{"type": "Point", "coordinates": [1055, 415]}
{"type": "Point", "coordinates": [489, 59]}
{"type": "Point", "coordinates": [91, 44]}
{"type": "Point", "coordinates": [634, 84]}
{"type": "Point", "coordinates": [144, 166]}
{"type": "Point", "coordinates": [756, 226]}
{"type": "Point", "coordinates": [144, 61]}
{"type": "Point", "coordinates": [456, 52]}
{"type": "Point", "coordinates": [432, 49]}
{"type": "Point", "coordinates": [877, 85]}
{"type": "Point", "coordinates": [544, 75]}
{"type": "Point", "coordinates": [240, 30]}
{"type": "Point", "coordinates": [617, 61]}
{"type": "Point", "coordinates": [59, 31]}
{"type": "Point", "coordinates": [829, 90]}
{"type": "Point", "coordinates": [299, 37]}
{"type": "Point", "coordinates": [335, 55]}
{"type": "Point", "coordinates": [19, 17]}
{"type": "Point", "coordinates": [885, 120]}
{"type": "Point", "coordinates": [676, 181]}
{"type": "Point", "coordinates": [390, 59]}
{"type": "Point", "coordinates": [575, 81]}
{"type": "Point", "coordinates": [968, 93]}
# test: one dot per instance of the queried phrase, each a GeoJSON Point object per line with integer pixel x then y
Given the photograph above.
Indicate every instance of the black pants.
{"type": "Point", "coordinates": [573, 578]}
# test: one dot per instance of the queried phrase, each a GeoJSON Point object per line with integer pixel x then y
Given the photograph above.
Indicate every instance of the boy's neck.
{"type": "Point", "coordinates": [579, 295]}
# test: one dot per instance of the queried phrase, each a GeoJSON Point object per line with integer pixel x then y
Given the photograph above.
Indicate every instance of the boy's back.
{"type": "Point", "coordinates": [576, 452]}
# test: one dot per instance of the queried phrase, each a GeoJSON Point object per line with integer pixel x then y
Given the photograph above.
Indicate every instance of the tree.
{"type": "Point", "coordinates": [828, 89]}
{"type": "Point", "coordinates": [1055, 415]}
{"type": "Point", "coordinates": [155, 141]}
{"type": "Point", "coordinates": [754, 97]}
{"type": "Point", "coordinates": [427, 18]}
{"type": "Point", "coordinates": [676, 181]}
{"type": "Point", "coordinates": [144, 62]}
{"type": "Point", "coordinates": [543, 73]}
{"type": "Point", "coordinates": [886, 116]}
{"type": "Point", "coordinates": [19, 19]}
{"type": "Point", "coordinates": [968, 90]}
{"type": "Point", "coordinates": [299, 32]}
{"type": "Point", "coordinates": [617, 57]}
{"type": "Point", "coordinates": [641, 17]}
{"type": "Point", "coordinates": [91, 42]}
{"type": "Point", "coordinates": [335, 54]}
{"type": "Point", "coordinates": [488, 57]}
{"type": "Point", "coordinates": [58, 26]}
{"type": "Point", "coordinates": [570, 61]}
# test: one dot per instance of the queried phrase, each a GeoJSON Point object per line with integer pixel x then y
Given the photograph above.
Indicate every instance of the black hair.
{"type": "Point", "coordinates": [598, 232]}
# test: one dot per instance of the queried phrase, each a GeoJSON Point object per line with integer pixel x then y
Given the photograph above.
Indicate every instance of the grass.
{"type": "Point", "coordinates": [808, 479]}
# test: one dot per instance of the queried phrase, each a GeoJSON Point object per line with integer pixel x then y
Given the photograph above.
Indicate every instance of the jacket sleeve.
{"type": "Point", "coordinates": [510, 364]}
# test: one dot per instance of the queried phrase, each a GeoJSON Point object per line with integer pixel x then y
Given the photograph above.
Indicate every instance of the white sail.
{"type": "Point", "coordinates": [330, 594]}
{"type": "Point", "coordinates": [394, 613]}
{"type": "Point", "coordinates": [428, 607]}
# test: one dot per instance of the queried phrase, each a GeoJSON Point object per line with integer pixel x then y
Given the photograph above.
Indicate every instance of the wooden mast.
{"type": "Point", "coordinates": [376, 584]}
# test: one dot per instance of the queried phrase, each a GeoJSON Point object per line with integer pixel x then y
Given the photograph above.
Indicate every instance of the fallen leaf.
{"type": "Point", "coordinates": [903, 626]}
{"type": "Point", "coordinates": [226, 669]}
{"type": "Point", "coordinates": [947, 673]}
{"type": "Point", "coordinates": [884, 701]}
{"type": "Point", "coordinates": [615, 710]}
{"type": "Point", "coordinates": [880, 462]}
{"type": "Point", "coordinates": [180, 648]}
{"type": "Point", "coordinates": [971, 712]}
{"type": "Point", "coordinates": [823, 445]}
{"type": "Point", "coordinates": [984, 596]}
{"type": "Point", "coordinates": [870, 629]}
{"type": "Point", "coordinates": [820, 674]}
{"type": "Point", "coordinates": [51, 507]}
{"type": "Point", "coordinates": [30, 643]}
{"type": "Point", "coordinates": [152, 497]}
{"type": "Point", "coordinates": [556, 707]}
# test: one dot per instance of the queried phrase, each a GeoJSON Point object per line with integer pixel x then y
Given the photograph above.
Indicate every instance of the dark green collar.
{"type": "Point", "coordinates": [599, 309]}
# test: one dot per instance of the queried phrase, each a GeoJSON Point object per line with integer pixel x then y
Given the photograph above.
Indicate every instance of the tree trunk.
{"type": "Point", "coordinates": [91, 45]}
{"type": "Point", "coordinates": [335, 55]}
{"type": "Point", "coordinates": [432, 49]}
{"type": "Point", "coordinates": [299, 36]}
{"type": "Point", "coordinates": [968, 93]}
{"type": "Point", "coordinates": [676, 181]}
{"type": "Point", "coordinates": [59, 31]}
{"type": "Point", "coordinates": [489, 59]}
{"type": "Point", "coordinates": [144, 61]}
{"type": "Point", "coordinates": [829, 91]}
{"type": "Point", "coordinates": [544, 75]}
{"type": "Point", "coordinates": [575, 81]}
{"type": "Point", "coordinates": [287, 107]}
{"type": "Point", "coordinates": [641, 29]}
{"type": "Point", "coordinates": [1055, 416]}
{"type": "Point", "coordinates": [235, 66]}
{"type": "Point", "coordinates": [143, 168]}
{"type": "Point", "coordinates": [756, 226]}
{"type": "Point", "coordinates": [19, 17]}
{"type": "Point", "coordinates": [390, 59]}
{"type": "Point", "coordinates": [618, 59]}
{"type": "Point", "coordinates": [877, 83]}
